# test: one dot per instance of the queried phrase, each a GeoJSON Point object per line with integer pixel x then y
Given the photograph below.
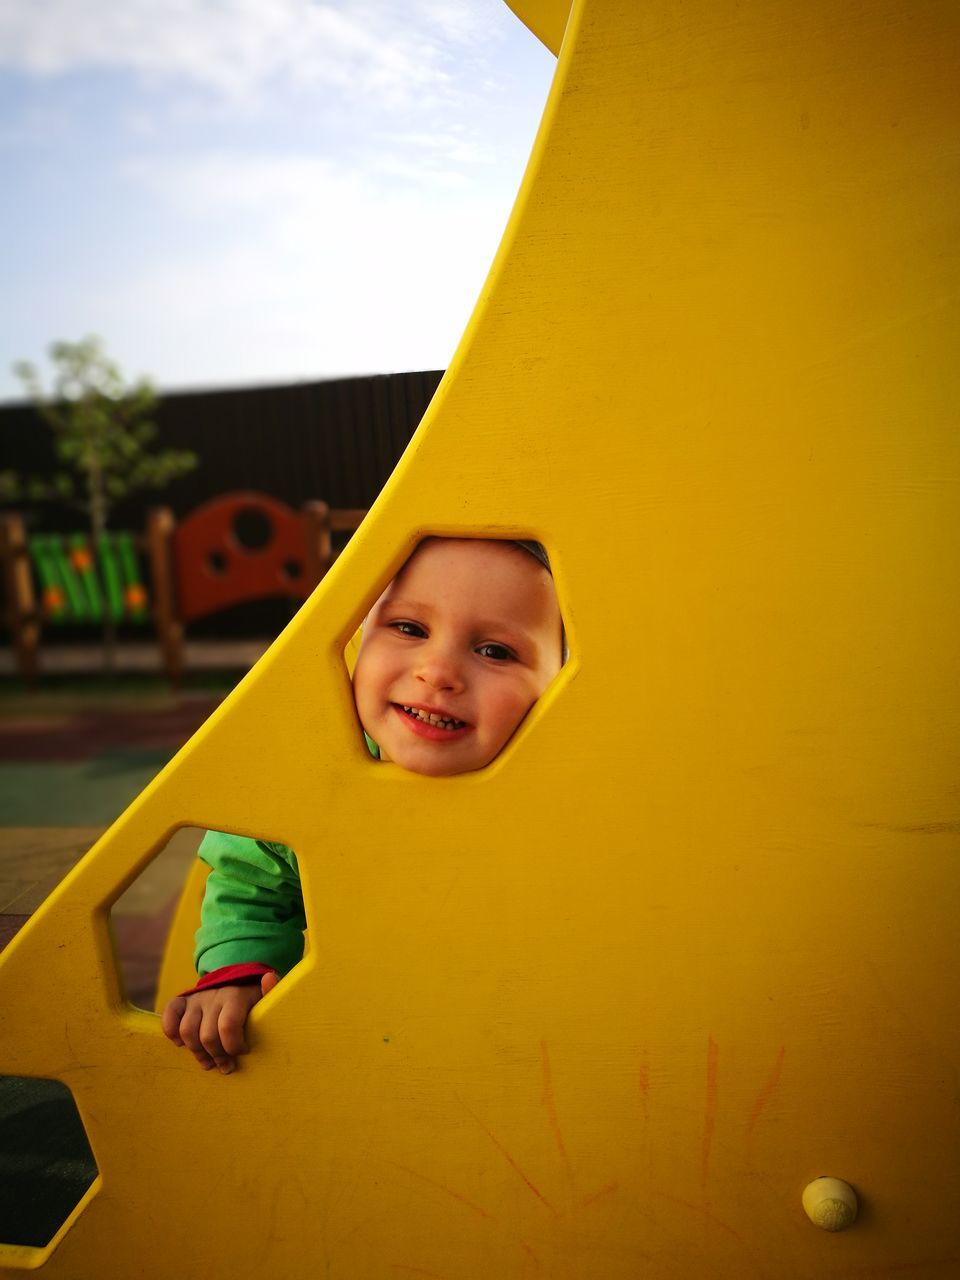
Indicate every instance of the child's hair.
{"type": "Point", "coordinates": [536, 549]}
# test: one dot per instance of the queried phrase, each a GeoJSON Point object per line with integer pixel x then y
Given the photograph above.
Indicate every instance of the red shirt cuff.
{"type": "Point", "coordinates": [231, 975]}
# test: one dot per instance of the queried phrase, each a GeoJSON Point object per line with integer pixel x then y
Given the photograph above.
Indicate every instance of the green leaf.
{"type": "Point", "coordinates": [101, 426]}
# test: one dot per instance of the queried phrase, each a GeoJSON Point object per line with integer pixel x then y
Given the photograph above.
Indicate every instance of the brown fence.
{"type": "Point", "coordinates": [337, 440]}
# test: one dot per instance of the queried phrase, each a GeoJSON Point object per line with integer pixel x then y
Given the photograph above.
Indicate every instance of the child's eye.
{"type": "Point", "coordinates": [408, 628]}
{"type": "Point", "coordinates": [498, 652]}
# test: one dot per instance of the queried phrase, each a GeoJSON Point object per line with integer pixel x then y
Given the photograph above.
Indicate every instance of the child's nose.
{"type": "Point", "coordinates": [440, 670]}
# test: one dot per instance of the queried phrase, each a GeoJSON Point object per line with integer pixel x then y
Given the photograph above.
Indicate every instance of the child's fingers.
{"type": "Point", "coordinates": [210, 1038]}
{"type": "Point", "coordinates": [170, 1019]}
{"type": "Point", "coordinates": [211, 1024]}
{"type": "Point", "coordinates": [233, 1017]}
{"type": "Point", "coordinates": [190, 1025]}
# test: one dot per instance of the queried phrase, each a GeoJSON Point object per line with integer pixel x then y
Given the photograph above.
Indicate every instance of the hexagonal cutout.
{"type": "Point", "coordinates": [455, 652]}
{"type": "Point", "coordinates": [143, 916]}
{"type": "Point", "coordinates": [47, 1166]}
{"type": "Point", "coordinates": [247, 920]}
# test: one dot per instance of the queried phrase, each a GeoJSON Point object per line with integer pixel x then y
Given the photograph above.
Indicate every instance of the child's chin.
{"type": "Point", "coordinates": [435, 766]}
{"type": "Point", "coordinates": [435, 769]}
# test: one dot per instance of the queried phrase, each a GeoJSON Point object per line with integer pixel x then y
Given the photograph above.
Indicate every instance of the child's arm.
{"type": "Point", "coordinates": [252, 916]}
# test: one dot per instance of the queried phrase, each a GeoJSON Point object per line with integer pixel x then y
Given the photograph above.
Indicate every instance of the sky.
{"type": "Point", "coordinates": [244, 192]}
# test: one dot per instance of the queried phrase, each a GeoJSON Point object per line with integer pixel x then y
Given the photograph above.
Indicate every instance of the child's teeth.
{"type": "Point", "coordinates": [429, 717]}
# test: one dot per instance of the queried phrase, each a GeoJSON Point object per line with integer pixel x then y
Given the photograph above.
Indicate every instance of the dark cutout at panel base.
{"type": "Point", "coordinates": [47, 1165]}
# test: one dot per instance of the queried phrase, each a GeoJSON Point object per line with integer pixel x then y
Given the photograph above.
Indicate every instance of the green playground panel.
{"type": "Point", "coordinates": [80, 586]}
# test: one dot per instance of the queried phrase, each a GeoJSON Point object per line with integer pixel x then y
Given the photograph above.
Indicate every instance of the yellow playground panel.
{"type": "Point", "coordinates": [605, 1009]}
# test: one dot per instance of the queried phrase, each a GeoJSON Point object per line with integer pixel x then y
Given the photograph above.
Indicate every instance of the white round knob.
{"type": "Point", "coordinates": [830, 1203]}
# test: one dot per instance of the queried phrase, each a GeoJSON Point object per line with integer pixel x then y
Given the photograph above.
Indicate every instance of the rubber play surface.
{"type": "Point", "coordinates": [68, 766]}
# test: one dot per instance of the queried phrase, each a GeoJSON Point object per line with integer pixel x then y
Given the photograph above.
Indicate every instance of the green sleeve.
{"type": "Point", "coordinates": [252, 908]}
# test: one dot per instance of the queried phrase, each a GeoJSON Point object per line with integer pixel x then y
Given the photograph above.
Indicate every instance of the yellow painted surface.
{"type": "Point", "coordinates": [605, 1009]}
{"type": "Point", "coordinates": [547, 19]}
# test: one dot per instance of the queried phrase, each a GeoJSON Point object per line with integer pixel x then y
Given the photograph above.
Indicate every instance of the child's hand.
{"type": "Point", "coordinates": [212, 1023]}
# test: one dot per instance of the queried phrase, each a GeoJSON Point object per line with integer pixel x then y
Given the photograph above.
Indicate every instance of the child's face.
{"type": "Point", "coordinates": [455, 653]}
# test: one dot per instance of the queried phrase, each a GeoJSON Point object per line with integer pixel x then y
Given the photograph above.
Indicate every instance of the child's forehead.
{"type": "Point", "coordinates": [471, 554]}
{"type": "Point", "coordinates": [448, 571]}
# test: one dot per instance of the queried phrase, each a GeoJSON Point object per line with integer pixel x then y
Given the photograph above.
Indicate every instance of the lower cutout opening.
{"type": "Point", "coordinates": [46, 1164]}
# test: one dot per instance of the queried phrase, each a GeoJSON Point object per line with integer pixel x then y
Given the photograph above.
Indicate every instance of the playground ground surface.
{"type": "Point", "coordinates": [73, 754]}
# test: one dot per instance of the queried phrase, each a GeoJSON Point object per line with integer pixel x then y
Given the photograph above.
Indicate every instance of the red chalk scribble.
{"type": "Point", "coordinates": [710, 1111]}
{"type": "Point", "coordinates": [767, 1092]}
{"type": "Point", "coordinates": [604, 1191]}
{"type": "Point", "coordinates": [701, 1211]}
{"type": "Point", "coordinates": [509, 1159]}
{"type": "Point", "coordinates": [643, 1080]}
{"type": "Point", "coordinates": [530, 1254]}
{"type": "Point", "coordinates": [440, 1186]}
{"type": "Point", "coordinates": [549, 1102]}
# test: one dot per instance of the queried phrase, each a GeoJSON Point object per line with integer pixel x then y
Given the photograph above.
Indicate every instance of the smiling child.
{"type": "Point", "coordinates": [453, 655]}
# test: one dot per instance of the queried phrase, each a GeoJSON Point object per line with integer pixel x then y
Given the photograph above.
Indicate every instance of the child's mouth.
{"type": "Point", "coordinates": [447, 723]}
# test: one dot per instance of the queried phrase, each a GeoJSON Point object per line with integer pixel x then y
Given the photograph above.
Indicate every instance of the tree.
{"type": "Point", "coordinates": [102, 432]}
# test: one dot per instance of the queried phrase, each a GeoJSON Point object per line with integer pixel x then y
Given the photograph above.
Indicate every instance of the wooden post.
{"type": "Point", "coordinates": [160, 524]}
{"type": "Point", "coordinates": [316, 526]}
{"type": "Point", "coordinates": [23, 615]}
{"type": "Point", "coordinates": [345, 520]}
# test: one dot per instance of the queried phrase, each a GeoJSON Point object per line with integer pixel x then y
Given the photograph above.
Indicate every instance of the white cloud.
{"type": "Point", "coordinates": [219, 181]}
{"type": "Point", "coordinates": [338, 265]}
{"type": "Point", "coordinates": [229, 230]}
{"type": "Point", "coordinates": [455, 146]}
{"type": "Point", "coordinates": [237, 48]}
